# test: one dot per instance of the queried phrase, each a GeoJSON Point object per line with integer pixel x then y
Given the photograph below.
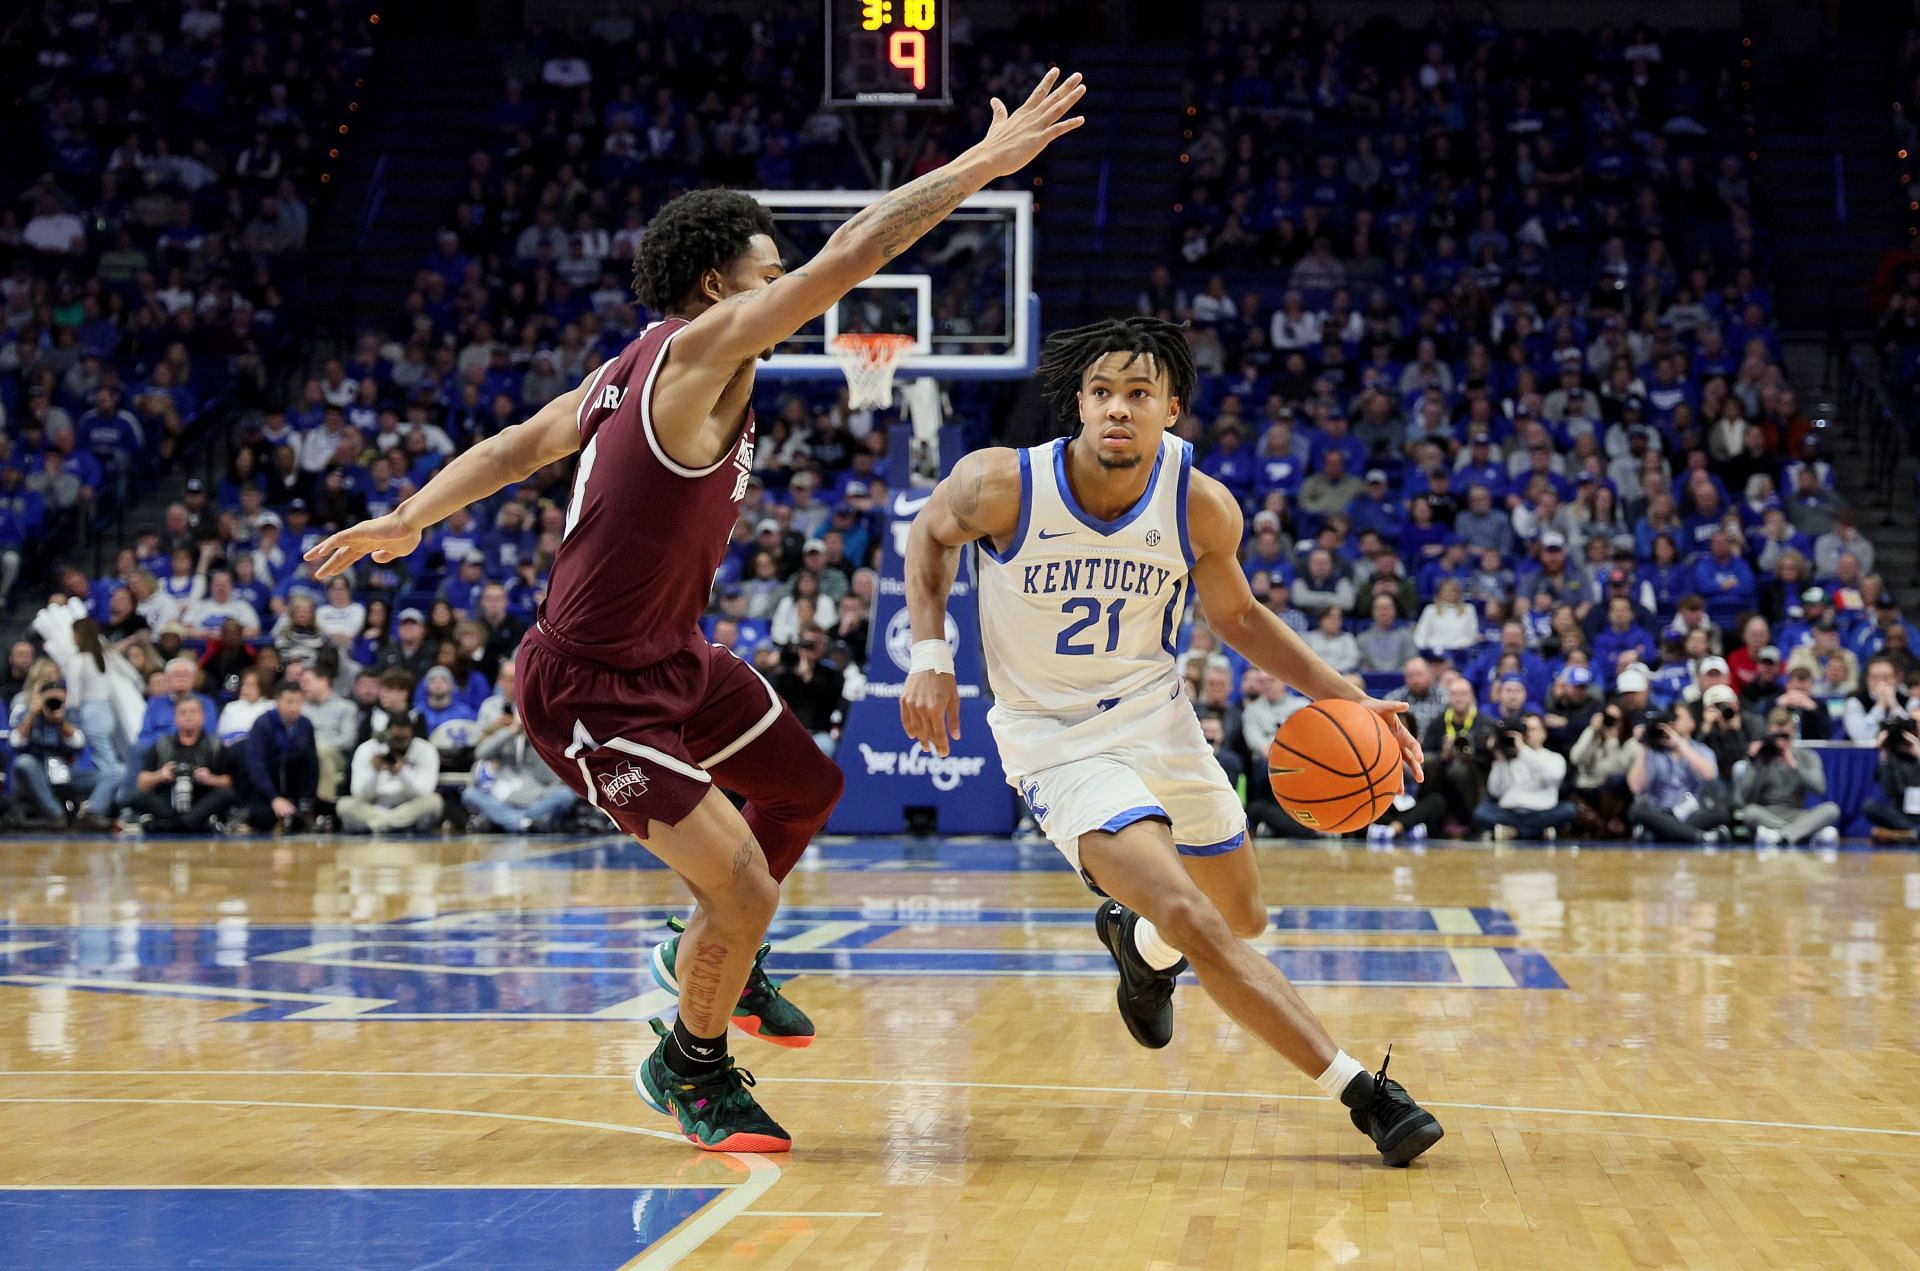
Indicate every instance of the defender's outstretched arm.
{"type": "Point", "coordinates": [510, 455]}
{"type": "Point", "coordinates": [742, 326]}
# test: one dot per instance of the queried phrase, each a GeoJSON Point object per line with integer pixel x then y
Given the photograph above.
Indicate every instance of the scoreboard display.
{"type": "Point", "coordinates": [887, 53]}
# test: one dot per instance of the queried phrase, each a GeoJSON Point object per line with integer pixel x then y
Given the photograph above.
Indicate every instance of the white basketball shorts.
{"type": "Point", "coordinates": [1145, 758]}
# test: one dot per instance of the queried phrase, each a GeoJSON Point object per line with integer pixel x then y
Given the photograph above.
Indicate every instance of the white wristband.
{"type": "Point", "coordinates": [930, 655]}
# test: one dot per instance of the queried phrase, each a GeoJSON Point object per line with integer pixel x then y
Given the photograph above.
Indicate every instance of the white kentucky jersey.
{"type": "Point", "coordinates": [1080, 614]}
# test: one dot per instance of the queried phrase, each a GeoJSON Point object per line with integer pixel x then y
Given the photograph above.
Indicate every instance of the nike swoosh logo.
{"type": "Point", "coordinates": [904, 506]}
{"type": "Point", "coordinates": [701, 1050]}
{"type": "Point", "coordinates": [1054, 534]}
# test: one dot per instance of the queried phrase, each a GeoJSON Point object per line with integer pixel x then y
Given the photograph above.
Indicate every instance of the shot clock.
{"type": "Point", "coordinates": [887, 52]}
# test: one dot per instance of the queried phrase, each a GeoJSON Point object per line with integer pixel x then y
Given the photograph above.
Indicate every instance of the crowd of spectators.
{"type": "Point", "coordinates": [1487, 357]}
{"type": "Point", "coordinates": [154, 202]}
{"type": "Point", "coordinates": [1571, 514]}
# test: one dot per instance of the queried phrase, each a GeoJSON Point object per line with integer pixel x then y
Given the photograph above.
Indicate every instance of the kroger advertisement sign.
{"type": "Point", "coordinates": [887, 774]}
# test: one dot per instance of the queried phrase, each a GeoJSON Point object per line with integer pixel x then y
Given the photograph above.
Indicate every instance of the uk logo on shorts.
{"type": "Point", "coordinates": [623, 783]}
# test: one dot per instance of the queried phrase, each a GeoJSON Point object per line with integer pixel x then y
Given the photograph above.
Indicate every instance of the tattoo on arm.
{"type": "Point", "coordinates": [910, 211]}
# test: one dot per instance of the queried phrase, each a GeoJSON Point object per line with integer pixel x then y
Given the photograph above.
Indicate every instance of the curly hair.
{"type": "Point", "coordinates": [1066, 355]}
{"type": "Point", "coordinates": [701, 230]}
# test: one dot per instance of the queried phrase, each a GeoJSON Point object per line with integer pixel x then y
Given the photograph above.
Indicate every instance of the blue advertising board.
{"type": "Point", "coordinates": [887, 774]}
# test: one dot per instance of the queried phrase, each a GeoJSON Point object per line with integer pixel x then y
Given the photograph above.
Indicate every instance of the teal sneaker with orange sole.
{"type": "Point", "coordinates": [717, 1111]}
{"type": "Point", "coordinates": [760, 1012]}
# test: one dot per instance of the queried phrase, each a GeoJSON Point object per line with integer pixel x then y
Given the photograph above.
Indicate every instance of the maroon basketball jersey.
{"type": "Point", "coordinates": [644, 535]}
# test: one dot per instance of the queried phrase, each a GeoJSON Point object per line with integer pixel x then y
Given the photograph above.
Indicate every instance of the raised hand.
{"type": "Point", "coordinates": [1015, 140]}
{"type": "Point", "coordinates": [385, 538]}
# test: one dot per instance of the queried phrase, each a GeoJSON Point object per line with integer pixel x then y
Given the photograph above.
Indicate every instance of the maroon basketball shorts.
{"type": "Point", "coordinates": [637, 743]}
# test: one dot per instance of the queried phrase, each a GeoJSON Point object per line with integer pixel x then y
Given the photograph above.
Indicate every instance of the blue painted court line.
{"type": "Point", "coordinates": [316, 1229]}
{"type": "Point", "coordinates": [1411, 919]}
{"type": "Point", "coordinates": [903, 855]}
{"type": "Point", "coordinates": [590, 964]}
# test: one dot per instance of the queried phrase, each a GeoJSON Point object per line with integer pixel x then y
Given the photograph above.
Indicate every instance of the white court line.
{"type": "Point", "coordinates": [761, 1172]}
{"type": "Point", "coordinates": [1454, 920]}
{"type": "Point", "coordinates": [917, 1082]}
{"type": "Point", "coordinates": [1480, 968]}
{"type": "Point", "coordinates": [819, 934]}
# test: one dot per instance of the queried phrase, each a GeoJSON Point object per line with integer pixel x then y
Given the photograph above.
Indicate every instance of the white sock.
{"type": "Point", "coordinates": [1156, 951]}
{"type": "Point", "coordinates": [1342, 1070]}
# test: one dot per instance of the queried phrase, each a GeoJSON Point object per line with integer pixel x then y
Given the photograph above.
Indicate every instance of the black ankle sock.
{"type": "Point", "coordinates": [1359, 1090]}
{"type": "Point", "coordinates": [691, 1056]}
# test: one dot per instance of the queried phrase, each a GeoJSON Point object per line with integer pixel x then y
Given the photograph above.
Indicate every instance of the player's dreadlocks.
{"type": "Point", "coordinates": [702, 230]}
{"type": "Point", "coordinates": [1066, 355]}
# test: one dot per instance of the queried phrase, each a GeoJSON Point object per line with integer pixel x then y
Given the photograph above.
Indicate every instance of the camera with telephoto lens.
{"type": "Point", "coordinates": [1899, 738]}
{"type": "Point", "coordinates": [1774, 748]}
{"type": "Point", "coordinates": [1506, 744]}
{"type": "Point", "coordinates": [54, 701]}
{"type": "Point", "coordinates": [1659, 733]}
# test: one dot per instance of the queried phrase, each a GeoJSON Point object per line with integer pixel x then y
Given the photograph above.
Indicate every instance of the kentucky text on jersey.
{"type": "Point", "coordinates": [1104, 574]}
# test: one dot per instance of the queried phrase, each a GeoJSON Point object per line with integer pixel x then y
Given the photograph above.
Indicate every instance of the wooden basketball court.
{"type": "Point", "coordinates": [414, 1053]}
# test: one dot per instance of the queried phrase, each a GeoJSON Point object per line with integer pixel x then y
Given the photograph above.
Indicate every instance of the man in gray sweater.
{"type": "Point", "coordinates": [1387, 645]}
{"type": "Point", "coordinates": [336, 725]}
{"type": "Point", "coordinates": [1771, 787]}
{"type": "Point", "coordinates": [513, 789]}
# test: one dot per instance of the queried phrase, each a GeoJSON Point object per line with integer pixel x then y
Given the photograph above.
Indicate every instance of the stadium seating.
{"type": "Point", "coordinates": [1487, 349]}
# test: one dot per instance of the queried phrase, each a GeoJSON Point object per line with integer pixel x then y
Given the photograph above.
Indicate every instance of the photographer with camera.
{"type": "Point", "coordinates": [1772, 785]}
{"type": "Point", "coordinates": [1456, 750]}
{"type": "Point", "coordinates": [1895, 808]}
{"type": "Point", "coordinates": [1602, 754]}
{"type": "Point", "coordinates": [1723, 727]}
{"type": "Point", "coordinates": [1881, 700]}
{"type": "Point", "coordinates": [1811, 719]}
{"type": "Point", "coordinates": [1523, 786]}
{"type": "Point", "coordinates": [813, 686]}
{"type": "Point", "coordinates": [185, 785]}
{"type": "Point", "coordinates": [1675, 783]}
{"type": "Point", "coordinates": [47, 746]}
{"type": "Point", "coordinates": [395, 780]}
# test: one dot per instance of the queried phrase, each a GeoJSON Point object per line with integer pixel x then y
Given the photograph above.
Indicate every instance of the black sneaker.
{"type": "Point", "coordinates": [715, 1110]}
{"type": "Point", "coordinates": [1387, 1114]}
{"type": "Point", "coordinates": [1145, 995]}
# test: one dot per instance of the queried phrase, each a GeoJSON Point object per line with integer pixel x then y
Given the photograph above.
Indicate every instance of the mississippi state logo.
{"type": "Point", "coordinates": [1153, 538]}
{"type": "Point", "coordinates": [623, 783]}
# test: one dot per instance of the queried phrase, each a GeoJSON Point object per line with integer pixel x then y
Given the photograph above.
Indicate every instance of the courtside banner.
{"type": "Point", "coordinates": [887, 773]}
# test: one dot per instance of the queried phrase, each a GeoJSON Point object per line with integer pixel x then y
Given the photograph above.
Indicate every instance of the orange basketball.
{"type": "Point", "coordinates": [1334, 766]}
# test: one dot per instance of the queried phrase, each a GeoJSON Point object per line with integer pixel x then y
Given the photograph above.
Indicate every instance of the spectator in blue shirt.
{"type": "Point", "coordinates": [1623, 640]}
{"type": "Point", "coordinates": [1231, 464]}
{"type": "Point", "coordinates": [1269, 554]}
{"type": "Point", "coordinates": [1374, 509]}
{"type": "Point", "coordinates": [1724, 581]}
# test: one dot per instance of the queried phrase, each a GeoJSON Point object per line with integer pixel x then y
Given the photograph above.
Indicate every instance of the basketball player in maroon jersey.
{"type": "Point", "coordinates": [618, 691]}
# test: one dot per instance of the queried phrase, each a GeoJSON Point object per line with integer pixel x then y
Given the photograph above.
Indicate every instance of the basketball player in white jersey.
{"type": "Point", "coordinates": [1090, 547]}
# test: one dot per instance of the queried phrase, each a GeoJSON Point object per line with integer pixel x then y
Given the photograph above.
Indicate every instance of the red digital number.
{"type": "Point", "coordinates": [907, 50]}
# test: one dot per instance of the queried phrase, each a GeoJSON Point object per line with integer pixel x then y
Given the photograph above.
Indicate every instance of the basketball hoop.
{"type": "Point", "coordinates": [869, 359]}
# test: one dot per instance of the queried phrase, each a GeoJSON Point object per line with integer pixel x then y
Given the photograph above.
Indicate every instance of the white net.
{"type": "Point", "coordinates": [869, 361]}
